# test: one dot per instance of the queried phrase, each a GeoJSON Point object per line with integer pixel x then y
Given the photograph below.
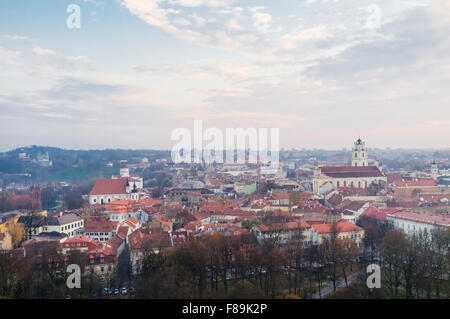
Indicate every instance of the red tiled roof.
{"type": "Point", "coordinates": [335, 199]}
{"type": "Point", "coordinates": [133, 220]}
{"type": "Point", "coordinates": [164, 220]}
{"type": "Point", "coordinates": [341, 226]}
{"type": "Point", "coordinates": [351, 171]}
{"type": "Point", "coordinates": [297, 224]}
{"type": "Point", "coordinates": [379, 214]}
{"type": "Point", "coordinates": [350, 205]}
{"type": "Point", "coordinates": [109, 186]}
{"type": "Point", "coordinates": [115, 242]}
{"type": "Point", "coordinates": [415, 183]}
{"type": "Point", "coordinates": [122, 232]}
{"type": "Point", "coordinates": [100, 226]}
{"type": "Point", "coordinates": [280, 195]}
{"type": "Point", "coordinates": [433, 219]}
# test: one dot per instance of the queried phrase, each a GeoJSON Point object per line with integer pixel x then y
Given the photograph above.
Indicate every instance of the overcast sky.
{"type": "Point", "coordinates": [322, 71]}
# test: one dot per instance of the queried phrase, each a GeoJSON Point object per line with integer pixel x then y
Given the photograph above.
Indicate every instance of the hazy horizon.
{"type": "Point", "coordinates": [281, 149]}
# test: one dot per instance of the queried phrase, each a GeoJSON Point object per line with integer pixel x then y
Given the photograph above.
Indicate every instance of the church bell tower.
{"type": "Point", "coordinates": [359, 153]}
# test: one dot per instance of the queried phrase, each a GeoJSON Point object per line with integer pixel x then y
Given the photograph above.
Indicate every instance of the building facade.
{"type": "Point", "coordinates": [359, 175]}
{"type": "Point", "coordinates": [412, 223]}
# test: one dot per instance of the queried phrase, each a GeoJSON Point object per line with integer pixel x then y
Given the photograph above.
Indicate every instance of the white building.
{"type": "Point", "coordinates": [413, 222]}
{"type": "Point", "coordinates": [359, 175]}
{"type": "Point", "coordinates": [70, 224]}
{"type": "Point", "coordinates": [101, 230]}
{"type": "Point", "coordinates": [107, 190]}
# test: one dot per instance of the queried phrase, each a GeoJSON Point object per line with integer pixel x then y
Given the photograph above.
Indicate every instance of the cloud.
{"type": "Point", "coordinates": [10, 59]}
{"type": "Point", "coordinates": [261, 20]}
{"type": "Point", "coordinates": [314, 72]}
{"type": "Point", "coordinates": [41, 51]}
{"type": "Point", "coordinates": [200, 70]}
{"type": "Point", "coordinates": [201, 3]}
{"type": "Point", "coordinates": [250, 30]}
{"type": "Point", "coordinates": [404, 45]}
{"type": "Point", "coordinates": [15, 37]}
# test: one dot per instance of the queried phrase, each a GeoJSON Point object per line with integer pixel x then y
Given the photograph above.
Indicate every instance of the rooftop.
{"type": "Point", "coordinates": [109, 186]}
{"type": "Point", "coordinates": [351, 171]}
{"type": "Point", "coordinates": [433, 219]}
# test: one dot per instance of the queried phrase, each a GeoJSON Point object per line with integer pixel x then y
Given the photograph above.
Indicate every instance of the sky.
{"type": "Point", "coordinates": [322, 71]}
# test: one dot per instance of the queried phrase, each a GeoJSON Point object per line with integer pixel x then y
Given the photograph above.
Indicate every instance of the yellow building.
{"type": "Point", "coordinates": [11, 218]}
{"type": "Point", "coordinates": [343, 230]}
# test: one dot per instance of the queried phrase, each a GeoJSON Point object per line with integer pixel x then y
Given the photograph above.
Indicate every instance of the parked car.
{"type": "Point", "coordinates": [116, 291]}
{"type": "Point", "coordinates": [123, 291]}
{"type": "Point", "coordinates": [107, 291]}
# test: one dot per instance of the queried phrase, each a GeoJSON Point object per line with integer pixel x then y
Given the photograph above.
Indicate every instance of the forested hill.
{"type": "Point", "coordinates": [72, 166]}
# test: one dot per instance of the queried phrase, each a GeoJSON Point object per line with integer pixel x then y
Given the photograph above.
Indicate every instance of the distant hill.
{"type": "Point", "coordinates": [72, 166]}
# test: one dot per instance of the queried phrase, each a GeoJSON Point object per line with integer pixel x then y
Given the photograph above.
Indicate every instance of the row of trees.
{"type": "Point", "coordinates": [44, 276]}
{"type": "Point", "coordinates": [415, 266]}
{"type": "Point", "coordinates": [219, 266]}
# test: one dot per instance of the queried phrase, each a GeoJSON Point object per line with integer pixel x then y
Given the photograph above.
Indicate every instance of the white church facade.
{"type": "Point", "coordinates": [359, 175]}
{"type": "Point", "coordinates": [122, 186]}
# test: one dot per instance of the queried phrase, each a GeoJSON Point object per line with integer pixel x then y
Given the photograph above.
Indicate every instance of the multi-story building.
{"type": "Point", "coordinates": [101, 230]}
{"type": "Point", "coordinates": [284, 232]}
{"type": "Point", "coordinates": [411, 222]}
{"type": "Point", "coordinates": [341, 229]}
{"type": "Point", "coordinates": [67, 223]}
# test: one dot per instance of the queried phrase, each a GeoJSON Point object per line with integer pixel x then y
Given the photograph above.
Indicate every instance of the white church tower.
{"type": "Point", "coordinates": [124, 170]}
{"type": "Point", "coordinates": [434, 170]}
{"type": "Point", "coordinates": [359, 154]}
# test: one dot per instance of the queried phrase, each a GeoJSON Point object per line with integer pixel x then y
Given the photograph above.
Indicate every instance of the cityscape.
{"type": "Point", "coordinates": [307, 229]}
{"type": "Point", "coordinates": [224, 150]}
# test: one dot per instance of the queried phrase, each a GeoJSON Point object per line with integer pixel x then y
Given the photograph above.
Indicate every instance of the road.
{"type": "Point", "coordinates": [328, 289]}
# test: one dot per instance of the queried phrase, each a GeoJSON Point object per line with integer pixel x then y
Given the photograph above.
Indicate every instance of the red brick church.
{"type": "Point", "coordinates": [31, 201]}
